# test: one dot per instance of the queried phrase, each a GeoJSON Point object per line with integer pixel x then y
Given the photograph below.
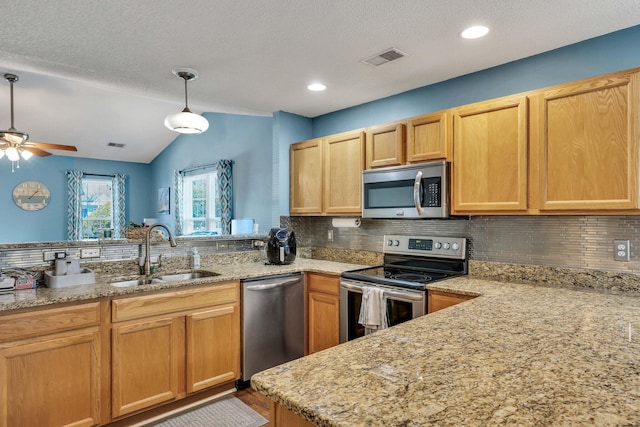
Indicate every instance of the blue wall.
{"type": "Point", "coordinates": [287, 129]}
{"type": "Point", "coordinates": [244, 139]}
{"type": "Point", "coordinates": [50, 224]}
{"type": "Point", "coordinates": [612, 52]}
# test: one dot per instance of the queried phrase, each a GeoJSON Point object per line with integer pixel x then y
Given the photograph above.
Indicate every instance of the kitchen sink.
{"type": "Point", "coordinates": [187, 276]}
{"type": "Point", "coordinates": [164, 278]}
{"type": "Point", "coordinates": [135, 282]}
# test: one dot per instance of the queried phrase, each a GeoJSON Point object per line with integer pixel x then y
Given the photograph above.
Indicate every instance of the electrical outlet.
{"type": "Point", "coordinates": [330, 235]}
{"type": "Point", "coordinates": [621, 250]}
{"type": "Point", "coordinates": [90, 253]}
{"type": "Point", "coordinates": [53, 255]}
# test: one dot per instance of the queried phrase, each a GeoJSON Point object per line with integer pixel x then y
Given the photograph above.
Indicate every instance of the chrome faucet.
{"type": "Point", "coordinates": [147, 248]}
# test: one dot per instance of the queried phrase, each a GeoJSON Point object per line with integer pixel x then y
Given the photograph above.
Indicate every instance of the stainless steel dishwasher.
{"type": "Point", "coordinates": [272, 322]}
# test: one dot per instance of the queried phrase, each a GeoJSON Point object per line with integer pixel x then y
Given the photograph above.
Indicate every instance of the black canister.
{"type": "Point", "coordinates": [281, 246]}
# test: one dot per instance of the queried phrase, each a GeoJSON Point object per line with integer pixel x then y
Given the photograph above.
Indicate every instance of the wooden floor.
{"type": "Point", "coordinates": [256, 401]}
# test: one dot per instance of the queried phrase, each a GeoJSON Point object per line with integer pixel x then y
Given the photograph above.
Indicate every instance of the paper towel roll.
{"type": "Point", "coordinates": [345, 222]}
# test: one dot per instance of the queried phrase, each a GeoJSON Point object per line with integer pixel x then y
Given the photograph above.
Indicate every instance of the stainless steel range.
{"type": "Point", "coordinates": [410, 263]}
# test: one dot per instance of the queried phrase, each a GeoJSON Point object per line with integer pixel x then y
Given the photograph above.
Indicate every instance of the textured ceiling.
{"type": "Point", "coordinates": [96, 71]}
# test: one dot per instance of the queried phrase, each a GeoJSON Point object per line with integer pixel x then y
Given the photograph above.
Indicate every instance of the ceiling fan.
{"type": "Point", "coordinates": [14, 143]}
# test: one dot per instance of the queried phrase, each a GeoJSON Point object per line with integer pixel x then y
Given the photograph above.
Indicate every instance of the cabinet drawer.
{"type": "Point", "coordinates": [323, 283]}
{"type": "Point", "coordinates": [47, 321]}
{"type": "Point", "coordinates": [186, 299]}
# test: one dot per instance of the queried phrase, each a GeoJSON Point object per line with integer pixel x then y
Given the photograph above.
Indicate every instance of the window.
{"type": "Point", "coordinates": [97, 206]}
{"type": "Point", "coordinates": [201, 213]}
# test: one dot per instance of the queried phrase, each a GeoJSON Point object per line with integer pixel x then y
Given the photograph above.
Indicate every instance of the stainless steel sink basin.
{"type": "Point", "coordinates": [135, 282]}
{"type": "Point", "coordinates": [187, 276]}
{"type": "Point", "coordinates": [165, 278]}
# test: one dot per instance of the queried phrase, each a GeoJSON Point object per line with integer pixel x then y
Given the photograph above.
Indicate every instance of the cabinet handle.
{"type": "Point", "coordinates": [272, 285]}
{"type": "Point", "coordinates": [416, 192]}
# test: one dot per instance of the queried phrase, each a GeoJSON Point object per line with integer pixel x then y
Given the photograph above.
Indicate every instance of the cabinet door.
{"type": "Point", "coordinates": [588, 144]}
{"type": "Point", "coordinates": [305, 180]}
{"type": "Point", "coordinates": [429, 137]}
{"type": "Point", "coordinates": [324, 318]}
{"type": "Point", "coordinates": [490, 156]}
{"type": "Point", "coordinates": [385, 146]}
{"type": "Point", "coordinates": [344, 161]}
{"type": "Point", "coordinates": [52, 381]}
{"type": "Point", "coordinates": [213, 347]}
{"type": "Point", "coordinates": [324, 311]}
{"type": "Point", "coordinates": [147, 362]}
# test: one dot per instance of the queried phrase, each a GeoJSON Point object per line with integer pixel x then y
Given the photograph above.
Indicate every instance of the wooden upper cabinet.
{"type": "Point", "coordinates": [305, 192]}
{"type": "Point", "coordinates": [429, 137]}
{"type": "Point", "coordinates": [490, 156]}
{"type": "Point", "coordinates": [385, 146]}
{"type": "Point", "coordinates": [587, 144]}
{"type": "Point", "coordinates": [343, 164]}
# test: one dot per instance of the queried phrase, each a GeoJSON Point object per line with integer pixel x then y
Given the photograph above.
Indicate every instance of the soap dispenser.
{"type": "Point", "coordinates": [195, 258]}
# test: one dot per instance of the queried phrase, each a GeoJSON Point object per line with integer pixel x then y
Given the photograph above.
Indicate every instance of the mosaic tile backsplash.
{"type": "Point", "coordinates": [557, 241]}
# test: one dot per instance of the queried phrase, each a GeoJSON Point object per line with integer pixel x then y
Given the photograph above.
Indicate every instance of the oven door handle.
{"type": "Point", "coordinates": [416, 193]}
{"type": "Point", "coordinates": [403, 296]}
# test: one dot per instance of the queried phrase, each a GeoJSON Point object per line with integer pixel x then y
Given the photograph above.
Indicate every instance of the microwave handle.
{"type": "Point", "coordinates": [416, 193]}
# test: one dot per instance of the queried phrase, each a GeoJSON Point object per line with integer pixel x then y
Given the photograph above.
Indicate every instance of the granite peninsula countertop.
{"type": "Point", "coordinates": [43, 296]}
{"type": "Point", "coordinates": [517, 355]}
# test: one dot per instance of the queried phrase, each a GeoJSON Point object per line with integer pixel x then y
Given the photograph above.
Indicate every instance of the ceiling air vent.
{"type": "Point", "coordinates": [389, 55]}
{"type": "Point", "coordinates": [115, 145]}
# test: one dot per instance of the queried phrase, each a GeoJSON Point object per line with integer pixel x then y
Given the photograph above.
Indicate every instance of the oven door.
{"type": "Point", "coordinates": [402, 305]}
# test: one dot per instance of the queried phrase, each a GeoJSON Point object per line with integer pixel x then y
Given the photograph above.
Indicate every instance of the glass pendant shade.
{"type": "Point", "coordinates": [186, 122]}
{"type": "Point", "coordinates": [12, 154]}
{"type": "Point", "coordinates": [26, 154]}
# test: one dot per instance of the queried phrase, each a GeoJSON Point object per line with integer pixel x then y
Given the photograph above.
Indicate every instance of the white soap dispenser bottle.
{"type": "Point", "coordinates": [195, 258]}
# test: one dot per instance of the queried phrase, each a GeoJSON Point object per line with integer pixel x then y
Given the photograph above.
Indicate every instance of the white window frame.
{"type": "Point", "coordinates": [212, 223]}
{"type": "Point", "coordinates": [86, 220]}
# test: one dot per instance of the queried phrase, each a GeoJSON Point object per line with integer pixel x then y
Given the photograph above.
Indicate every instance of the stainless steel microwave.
{"type": "Point", "coordinates": [414, 191]}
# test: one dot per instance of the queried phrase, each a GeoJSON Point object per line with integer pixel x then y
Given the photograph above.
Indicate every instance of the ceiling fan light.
{"type": "Point", "coordinates": [186, 122]}
{"type": "Point", "coordinates": [26, 154]}
{"type": "Point", "coordinates": [12, 154]}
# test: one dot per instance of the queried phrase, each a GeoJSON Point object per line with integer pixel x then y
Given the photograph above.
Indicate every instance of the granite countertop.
{"type": "Point", "coordinates": [43, 296]}
{"type": "Point", "coordinates": [517, 355]}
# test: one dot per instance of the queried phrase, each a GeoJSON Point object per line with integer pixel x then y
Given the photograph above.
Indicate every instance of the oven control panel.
{"type": "Point", "coordinates": [433, 246]}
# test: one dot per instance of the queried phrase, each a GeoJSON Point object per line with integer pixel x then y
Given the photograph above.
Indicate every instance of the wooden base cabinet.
{"type": "Point", "coordinates": [324, 311]}
{"type": "Point", "coordinates": [54, 379]}
{"type": "Point", "coordinates": [438, 300]}
{"type": "Point", "coordinates": [167, 345]}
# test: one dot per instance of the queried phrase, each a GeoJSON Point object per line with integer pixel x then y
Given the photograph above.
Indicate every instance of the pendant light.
{"type": "Point", "coordinates": [186, 121]}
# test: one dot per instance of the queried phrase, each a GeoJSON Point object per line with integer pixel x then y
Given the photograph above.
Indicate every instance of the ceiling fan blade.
{"type": "Point", "coordinates": [37, 151]}
{"type": "Point", "coordinates": [50, 146]}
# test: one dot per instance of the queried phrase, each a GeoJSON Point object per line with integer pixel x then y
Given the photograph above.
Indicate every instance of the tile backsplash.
{"type": "Point", "coordinates": [557, 241]}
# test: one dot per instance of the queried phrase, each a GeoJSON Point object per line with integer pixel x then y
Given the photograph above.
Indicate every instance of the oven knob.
{"type": "Point", "coordinates": [437, 245]}
{"type": "Point", "coordinates": [455, 246]}
{"type": "Point", "coordinates": [396, 243]}
{"type": "Point", "coordinates": [389, 242]}
{"type": "Point", "coordinates": [445, 245]}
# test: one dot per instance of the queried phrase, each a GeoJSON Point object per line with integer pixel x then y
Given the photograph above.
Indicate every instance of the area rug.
{"type": "Point", "coordinates": [226, 412]}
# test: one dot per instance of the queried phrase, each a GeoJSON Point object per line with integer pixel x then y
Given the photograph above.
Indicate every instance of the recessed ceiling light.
{"type": "Point", "coordinates": [474, 32]}
{"type": "Point", "coordinates": [316, 87]}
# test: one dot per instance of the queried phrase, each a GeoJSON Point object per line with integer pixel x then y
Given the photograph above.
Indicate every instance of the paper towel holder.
{"type": "Point", "coordinates": [346, 222]}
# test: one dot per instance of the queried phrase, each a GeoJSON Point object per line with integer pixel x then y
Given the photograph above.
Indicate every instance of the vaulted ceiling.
{"type": "Point", "coordinates": [95, 71]}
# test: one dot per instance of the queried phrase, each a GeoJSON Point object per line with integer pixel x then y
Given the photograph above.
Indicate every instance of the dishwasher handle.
{"type": "Point", "coordinates": [273, 285]}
